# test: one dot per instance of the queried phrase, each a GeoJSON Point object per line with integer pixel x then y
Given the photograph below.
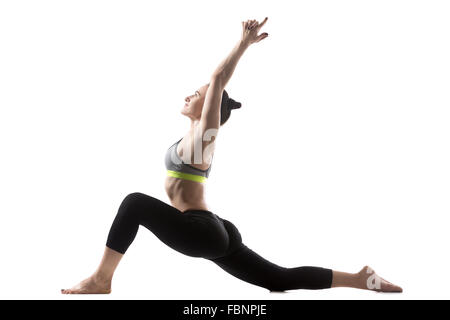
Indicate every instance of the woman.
{"type": "Point", "coordinates": [188, 226]}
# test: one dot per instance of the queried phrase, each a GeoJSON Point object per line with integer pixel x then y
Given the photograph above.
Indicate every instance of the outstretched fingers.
{"type": "Point", "coordinates": [262, 23]}
{"type": "Point", "coordinates": [262, 36]}
{"type": "Point", "coordinates": [254, 24]}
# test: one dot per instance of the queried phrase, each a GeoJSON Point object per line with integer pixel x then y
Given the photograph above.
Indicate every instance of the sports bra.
{"type": "Point", "coordinates": [178, 169]}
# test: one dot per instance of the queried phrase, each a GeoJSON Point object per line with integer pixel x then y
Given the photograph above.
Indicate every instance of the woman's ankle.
{"type": "Point", "coordinates": [345, 279]}
{"type": "Point", "coordinates": [102, 278]}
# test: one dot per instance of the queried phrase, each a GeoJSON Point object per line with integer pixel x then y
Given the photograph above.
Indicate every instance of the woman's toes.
{"type": "Point", "coordinates": [389, 287]}
{"type": "Point", "coordinates": [89, 286]}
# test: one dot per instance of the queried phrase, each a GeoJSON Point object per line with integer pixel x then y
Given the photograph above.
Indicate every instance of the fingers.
{"type": "Point", "coordinates": [253, 27]}
{"type": "Point", "coordinates": [251, 24]}
{"type": "Point", "coordinates": [262, 23]}
{"type": "Point", "coordinates": [262, 36]}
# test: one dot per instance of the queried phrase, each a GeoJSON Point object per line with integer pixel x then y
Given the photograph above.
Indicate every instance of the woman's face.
{"type": "Point", "coordinates": [194, 103]}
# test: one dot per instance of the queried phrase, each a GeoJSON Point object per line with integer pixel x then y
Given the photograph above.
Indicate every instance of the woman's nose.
{"type": "Point", "coordinates": [186, 99]}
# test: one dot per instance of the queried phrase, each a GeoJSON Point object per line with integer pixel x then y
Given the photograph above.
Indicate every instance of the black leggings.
{"type": "Point", "coordinates": [201, 233]}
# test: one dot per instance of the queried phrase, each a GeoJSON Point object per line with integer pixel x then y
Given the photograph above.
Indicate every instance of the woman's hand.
{"type": "Point", "coordinates": [250, 31]}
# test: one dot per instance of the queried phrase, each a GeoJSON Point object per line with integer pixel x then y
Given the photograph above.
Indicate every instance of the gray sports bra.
{"type": "Point", "coordinates": [178, 169]}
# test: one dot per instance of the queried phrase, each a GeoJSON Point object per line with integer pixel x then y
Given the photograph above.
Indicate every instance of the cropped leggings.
{"type": "Point", "coordinates": [203, 234]}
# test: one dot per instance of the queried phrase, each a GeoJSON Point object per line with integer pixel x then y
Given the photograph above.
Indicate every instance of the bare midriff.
{"type": "Point", "coordinates": [185, 194]}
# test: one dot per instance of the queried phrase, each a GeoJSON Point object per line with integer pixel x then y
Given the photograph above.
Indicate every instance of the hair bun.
{"type": "Point", "coordinates": [232, 104]}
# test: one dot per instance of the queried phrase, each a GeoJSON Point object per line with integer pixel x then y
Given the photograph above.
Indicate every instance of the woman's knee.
{"type": "Point", "coordinates": [131, 203]}
{"type": "Point", "coordinates": [131, 199]}
{"type": "Point", "coordinates": [135, 196]}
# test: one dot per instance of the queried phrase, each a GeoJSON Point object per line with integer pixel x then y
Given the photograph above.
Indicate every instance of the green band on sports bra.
{"type": "Point", "coordinates": [186, 176]}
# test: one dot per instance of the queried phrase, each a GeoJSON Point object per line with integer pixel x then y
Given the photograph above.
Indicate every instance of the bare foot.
{"type": "Point", "coordinates": [91, 285]}
{"type": "Point", "coordinates": [369, 280]}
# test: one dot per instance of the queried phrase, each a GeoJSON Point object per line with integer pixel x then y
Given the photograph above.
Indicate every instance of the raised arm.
{"type": "Point", "coordinates": [210, 118]}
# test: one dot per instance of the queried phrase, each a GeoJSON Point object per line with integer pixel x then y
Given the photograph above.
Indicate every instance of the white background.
{"type": "Point", "coordinates": [339, 156]}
